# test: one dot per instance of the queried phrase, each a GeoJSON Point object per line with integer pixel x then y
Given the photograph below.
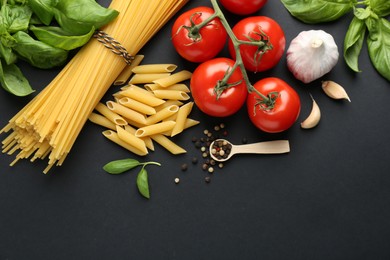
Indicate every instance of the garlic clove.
{"type": "Point", "coordinates": [334, 90]}
{"type": "Point", "coordinates": [311, 55]}
{"type": "Point", "coordinates": [314, 117]}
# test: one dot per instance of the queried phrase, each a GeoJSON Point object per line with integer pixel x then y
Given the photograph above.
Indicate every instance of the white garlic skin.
{"type": "Point", "coordinates": [311, 55]}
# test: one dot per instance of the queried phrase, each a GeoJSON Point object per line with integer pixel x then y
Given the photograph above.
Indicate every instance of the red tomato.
{"type": "Point", "coordinates": [194, 44]}
{"type": "Point", "coordinates": [204, 80]}
{"type": "Point", "coordinates": [243, 7]}
{"type": "Point", "coordinates": [285, 111]}
{"type": "Point", "coordinates": [259, 28]}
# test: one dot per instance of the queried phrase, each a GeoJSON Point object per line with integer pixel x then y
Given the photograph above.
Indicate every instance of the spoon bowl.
{"type": "Point", "coordinates": [222, 150]}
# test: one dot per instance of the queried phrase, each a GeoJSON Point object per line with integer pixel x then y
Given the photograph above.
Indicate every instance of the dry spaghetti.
{"type": "Point", "coordinates": [48, 126]}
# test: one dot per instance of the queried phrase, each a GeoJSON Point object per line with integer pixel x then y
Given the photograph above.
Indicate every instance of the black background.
{"type": "Point", "coordinates": [327, 199]}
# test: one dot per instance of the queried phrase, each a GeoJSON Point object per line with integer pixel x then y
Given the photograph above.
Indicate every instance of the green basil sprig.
{"type": "Point", "coordinates": [368, 16]}
{"type": "Point", "coordinates": [25, 33]}
{"type": "Point", "coordinates": [124, 165]}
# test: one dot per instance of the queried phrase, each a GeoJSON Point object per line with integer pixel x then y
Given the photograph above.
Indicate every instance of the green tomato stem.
{"type": "Point", "coordinates": [236, 43]}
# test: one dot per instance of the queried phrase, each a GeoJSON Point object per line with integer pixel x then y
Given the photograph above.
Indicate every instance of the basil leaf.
{"type": "Point", "coordinates": [7, 54]}
{"type": "Point", "coordinates": [316, 11]}
{"type": "Point", "coordinates": [79, 16]}
{"type": "Point", "coordinates": [121, 166]}
{"type": "Point", "coordinates": [57, 37]}
{"type": "Point", "coordinates": [37, 53]}
{"type": "Point", "coordinates": [42, 9]}
{"type": "Point", "coordinates": [380, 7]}
{"type": "Point", "coordinates": [143, 184]}
{"type": "Point", "coordinates": [13, 81]}
{"type": "Point", "coordinates": [353, 43]}
{"type": "Point", "coordinates": [378, 42]}
{"type": "Point", "coordinates": [16, 17]}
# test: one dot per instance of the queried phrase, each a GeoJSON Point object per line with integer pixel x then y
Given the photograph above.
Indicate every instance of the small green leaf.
{"type": "Point", "coordinates": [378, 42]}
{"type": "Point", "coordinates": [13, 80]}
{"type": "Point", "coordinates": [59, 38]}
{"type": "Point", "coordinates": [142, 183]}
{"type": "Point", "coordinates": [353, 43]}
{"type": "Point", "coordinates": [121, 166]}
{"type": "Point", "coordinates": [380, 7]}
{"type": "Point", "coordinates": [362, 13]}
{"type": "Point", "coordinates": [316, 11]}
{"type": "Point", "coordinates": [37, 53]}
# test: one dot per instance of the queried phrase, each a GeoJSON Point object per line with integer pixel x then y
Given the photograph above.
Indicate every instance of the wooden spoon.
{"type": "Point", "coordinates": [268, 147]}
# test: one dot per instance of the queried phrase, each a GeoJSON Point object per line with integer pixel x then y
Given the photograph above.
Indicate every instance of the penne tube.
{"type": "Point", "coordinates": [113, 136]}
{"type": "Point", "coordinates": [190, 123]}
{"type": "Point", "coordinates": [148, 141]}
{"type": "Point", "coordinates": [155, 129]}
{"type": "Point", "coordinates": [151, 87]}
{"type": "Point", "coordinates": [131, 139]}
{"type": "Point", "coordinates": [126, 73]}
{"type": "Point", "coordinates": [102, 121]}
{"type": "Point", "coordinates": [168, 144]}
{"type": "Point", "coordinates": [181, 117]}
{"type": "Point", "coordinates": [179, 87]}
{"type": "Point", "coordinates": [173, 79]}
{"type": "Point", "coordinates": [171, 94]}
{"type": "Point", "coordinates": [110, 115]}
{"type": "Point", "coordinates": [147, 78]}
{"type": "Point", "coordinates": [137, 106]}
{"type": "Point", "coordinates": [142, 96]}
{"type": "Point", "coordinates": [162, 114]}
{"type": "Point", "coordinates": [154, 68]}
{"type": "Point", "coordinates": [187, 124]}
{"type": "Point", "coordinates": [126, 112]}
{"type": "Point", "coordinates": [168, 103]}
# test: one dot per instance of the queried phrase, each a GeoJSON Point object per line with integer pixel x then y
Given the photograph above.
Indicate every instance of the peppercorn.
{"type": "Point", "coordinates": [184, 167]}
{"type": "Point", "coordinates": [194, 160]}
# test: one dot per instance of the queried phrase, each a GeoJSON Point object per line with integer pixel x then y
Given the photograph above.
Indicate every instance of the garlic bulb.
{"type": "Point", "coordinates": [311, 55]}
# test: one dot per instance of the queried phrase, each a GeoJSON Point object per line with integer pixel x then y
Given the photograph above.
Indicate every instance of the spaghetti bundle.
{"type": "Point", "coordinates": [49, 125]}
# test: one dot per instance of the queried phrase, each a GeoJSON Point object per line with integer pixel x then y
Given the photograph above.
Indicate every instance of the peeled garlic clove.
{"type": "Point", "coordinates": [314, 117]}
{"type": "Point", "coordinates": [311, 55]}
{"type": "Point", "coordinates": [334, 90]}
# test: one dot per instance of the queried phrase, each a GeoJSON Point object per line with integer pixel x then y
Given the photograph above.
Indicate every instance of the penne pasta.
{"type": "Point", "coordinates": [154, 68]}
{"type": "Point", "coordinates": [142, 96]}
{"type": "Point", "coordinates": [110, 115]}
{"type": "Point", "coordinates": [126, 73]}
{"type": "Point", "coordinates": [131, 139]}
{"type": "Point", "coordinates": [113, 136]}
{"type": "Point", "coordinates": [148, 141]}
{"type": "Point", "coordinates": [155, 129]}
{"type": "Point", "coordinates": [178, 87]}
{"type": "Point", "coordinates": [126, 112]}
{"type": "Point", "coordinates": [171, 94]}
{"type": "Point", "coordinates": [181, 117]}
{"type": "Point", "coordinates": [190, 123]}
{"type": "Point", "coordinates": [168, 144]}
{"type": "Point", "coordinates": [102, 121]}
{"type": "Point", "coordinates": [147, 78]}
{"type": "Point", "coordinates": [137, 106]}
{"type": "Point", "coordinates": [162, 114]}
{"type": "Point", "coordinates": [169, 103]}
{"type": "Point", "coordinates": [174, 78]}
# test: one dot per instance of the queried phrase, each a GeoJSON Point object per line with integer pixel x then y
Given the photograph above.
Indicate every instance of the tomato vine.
{"type": "Point", "coordinates": [263, 45]}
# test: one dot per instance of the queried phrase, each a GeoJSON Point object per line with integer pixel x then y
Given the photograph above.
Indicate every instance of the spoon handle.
{"type": "Point", "coordinates": [268, 147]}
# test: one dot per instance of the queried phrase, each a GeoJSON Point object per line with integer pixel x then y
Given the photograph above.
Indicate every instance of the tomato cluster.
{"type": "Point", "coordinates": [220, 86]}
